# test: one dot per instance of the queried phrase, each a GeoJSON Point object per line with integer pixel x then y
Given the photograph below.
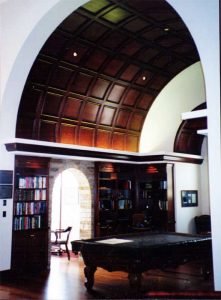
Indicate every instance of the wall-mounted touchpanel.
{"type": "Point", "coordinates": [6, 181]}
{"type": "Point", "coordinates": [5, 191]}
{"type": "Point", "coordinates": [6, 177]}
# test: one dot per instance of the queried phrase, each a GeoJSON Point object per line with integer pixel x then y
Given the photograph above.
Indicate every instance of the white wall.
{"type": "Point", "coordinates": [186, 177]}
{"type": "Point", "coordinates": [204, 180]}
{"type": "Point", "coordinates": [181, 94]}
{"type": "Point", "coordinates": [202, 18]}
{"type": "Point", "coordinates": [25, 25]}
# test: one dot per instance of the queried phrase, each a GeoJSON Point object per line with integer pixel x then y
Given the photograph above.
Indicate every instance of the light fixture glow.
{"type": "Point", "coordinates": [75, 54]}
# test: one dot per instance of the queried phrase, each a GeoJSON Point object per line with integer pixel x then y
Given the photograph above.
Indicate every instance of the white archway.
{"type": "Point", "coordinates": [65, 204]}
{"type": "Point", "coordinates": [71, 197]}
{"type": "Point", "coordinates": [32, 29]}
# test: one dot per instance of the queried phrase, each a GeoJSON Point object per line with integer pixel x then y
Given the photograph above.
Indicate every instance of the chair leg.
{"type": "Point", "coordinates": [67, 250]}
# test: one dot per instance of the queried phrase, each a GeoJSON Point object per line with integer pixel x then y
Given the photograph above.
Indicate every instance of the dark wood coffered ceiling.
{"type": "Point", "coordinates": [97, 75]}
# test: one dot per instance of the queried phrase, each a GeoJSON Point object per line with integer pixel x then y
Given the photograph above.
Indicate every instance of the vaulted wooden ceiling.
{"type": "Point", "coordinates": [99, 72]}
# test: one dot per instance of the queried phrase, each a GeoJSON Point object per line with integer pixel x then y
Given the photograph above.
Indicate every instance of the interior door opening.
{"type": "Point", "coordinates": [65, 204]}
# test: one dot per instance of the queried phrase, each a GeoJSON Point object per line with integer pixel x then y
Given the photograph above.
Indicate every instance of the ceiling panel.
{"type": "Point", "coordinates": [97, 75]}
{"type": "Point", "coordinates": [72, 108]}
{"type": "Point", "coordinates": [107, 116]}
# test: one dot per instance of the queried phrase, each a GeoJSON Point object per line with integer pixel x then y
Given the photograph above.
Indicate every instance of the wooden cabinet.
{"type": "Point", "coordinates": [30, 214]}
{"type": "Point", "coordinates": [126, 189]}
{"type": "Point", "coordinates": [30, 251]}
{"type": "Point", "coordinates": [115, 198]}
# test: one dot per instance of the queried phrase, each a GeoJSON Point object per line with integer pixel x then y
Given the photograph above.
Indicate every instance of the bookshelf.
{"type": "Point", "coordinates": [30, 205]}
{"type": "Point", "coordinates": [115, 198]}
{"type": "Point", "coordinates": [155, 190]}
{"type": "Point", "coordinates": [30, 214]}
{"type": "Point", "coordinates": [124, 190]}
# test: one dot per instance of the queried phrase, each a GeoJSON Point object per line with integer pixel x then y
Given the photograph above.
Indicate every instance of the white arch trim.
{"type": "Point", "coordinates": [25, 28]}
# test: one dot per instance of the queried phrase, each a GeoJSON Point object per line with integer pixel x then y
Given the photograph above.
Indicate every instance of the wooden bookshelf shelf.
{"type": "Point", "coordinates": [124, 190]}
{"type": "Point", "coordinates": [30, 214]}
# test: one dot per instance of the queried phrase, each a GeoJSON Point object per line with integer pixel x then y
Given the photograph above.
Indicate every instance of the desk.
{"type": "Point", "coordinates": [138, 252]}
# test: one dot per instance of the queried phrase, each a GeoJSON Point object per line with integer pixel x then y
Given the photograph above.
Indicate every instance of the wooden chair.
{"type": "Point", "coordinates": [61, 238]}
{"type": "Point", "coordinates": [139, 222]}
{"type": "Point", "coordinates": [203, 224]}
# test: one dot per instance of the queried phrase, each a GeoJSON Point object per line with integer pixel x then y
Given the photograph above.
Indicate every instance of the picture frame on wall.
{"type": "Point", "coordinates": [189, 198]}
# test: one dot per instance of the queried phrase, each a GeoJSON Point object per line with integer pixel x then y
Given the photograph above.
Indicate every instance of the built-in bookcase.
{"type": "Point", "coordinates": [124, 190]}
{"type": "Point", "coordinates": [30, 205]}
{"type": "Point", "coordinates": [30, 214]}
{"type": "Point", "coordinates": [115, 201]}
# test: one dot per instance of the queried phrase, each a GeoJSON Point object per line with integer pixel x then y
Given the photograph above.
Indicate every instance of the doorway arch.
{"type": "Point", "coordinates": [65, 204]}
{"type": "Point", "coordinates": [78, 182]}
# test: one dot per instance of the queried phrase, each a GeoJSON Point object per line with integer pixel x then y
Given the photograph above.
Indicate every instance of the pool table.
{"type": "Point", "coordinates": [138, 252]}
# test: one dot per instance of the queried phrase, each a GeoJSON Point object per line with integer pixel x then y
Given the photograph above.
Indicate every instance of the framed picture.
{"type": "Point", "coordinates": [189, 198]}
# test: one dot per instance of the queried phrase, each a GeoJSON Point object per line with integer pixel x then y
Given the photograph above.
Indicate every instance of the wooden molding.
{"type": "Point", "coordinates": [46, 150]}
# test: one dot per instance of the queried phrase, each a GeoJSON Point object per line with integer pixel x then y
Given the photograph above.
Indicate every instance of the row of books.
{"type": "Point", "coordinates": [30, 195]}
{"type": "Point", "coordinates": [24, 223]}
{"type": "Point", "coordinates": [149, 194]}
{"type": "Point", "coordinates": [114, 184]}
{"type": "Point", "coordinates": [35, 182]}
{"type": "Point", "coordinates": [111, 194]}
{"type": "Point", "coordinates": [120, 204]}
{"type": "Point", "coordinates": [29, 208]}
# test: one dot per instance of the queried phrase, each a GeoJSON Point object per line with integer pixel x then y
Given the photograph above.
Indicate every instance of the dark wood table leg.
{"type": "Point", "coordinates": [89, 274]}
{"type": "Point", "coordinates": [135, 280]}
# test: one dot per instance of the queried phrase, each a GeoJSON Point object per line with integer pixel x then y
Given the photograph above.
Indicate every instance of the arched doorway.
{"type": "Point", "coordinates": [71, 197]}
{"type": "Point", "coordinates": [66, 204]}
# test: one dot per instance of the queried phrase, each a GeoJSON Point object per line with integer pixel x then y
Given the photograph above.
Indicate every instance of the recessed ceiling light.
{"type": "Point", "coordinates": [75, 54]}
{"type": "Point", "coordinates": [166, 29]}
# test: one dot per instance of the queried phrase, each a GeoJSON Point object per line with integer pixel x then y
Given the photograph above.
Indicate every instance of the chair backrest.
{"type": "Point", "coordinates": [203, 224]}
{"type": "Point", "coordinates": [68, 230]}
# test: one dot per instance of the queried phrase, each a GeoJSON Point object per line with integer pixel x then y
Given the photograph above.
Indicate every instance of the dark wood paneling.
{"type": "Point", "coordinates": [145, 101]}
{"type": "Point", "coordinates": [52, 104]}
{"type": "Point", "coordinates": [47, 131]}
{"type": "Point", "coordinates": [103, 139]}
{"type": "Point", "coordinates": [81, 83]}
{"type": "Point", "coordinates": [95, 60]}
{"type": "Point", "coordinates": [116, 93]}
{"type": "Point", "coordinates": [72, 108]}
{"type": "Point", "coordinates": [113, 67]}
{"type": "Point", "coordinates": [107, 115]}
{"type": "Point", "coordinates": [102, 68]}
{"type": "Point", "coordinates": [137, 122]}
{"type": "Point", "coordinates": [86, 136]}
{"type": "Point", "coordinates": [61, 77]}
{"type": "Point", "coordinates": [118, 141]}
{"type": "Point", "coordinates": [187, 139]}
{"type": "Point", "coordinates": [100, 88]}
{"type": "Point", "coordinates": [132, 142]}
{"type": "Point", "coordinates": [68, 134]}
{"type": "Point", "coordinates": [122, 118]}
{"type": "Point", "coordinates": [90, 112]}
{"type": "Point", "coordinates": [131, 97]}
